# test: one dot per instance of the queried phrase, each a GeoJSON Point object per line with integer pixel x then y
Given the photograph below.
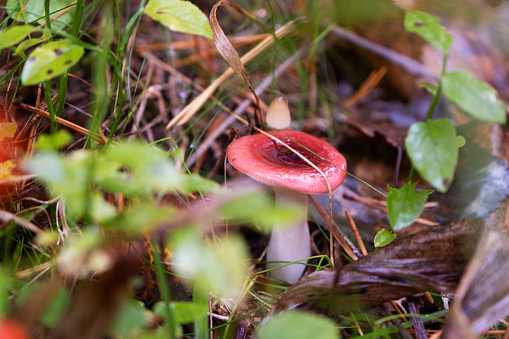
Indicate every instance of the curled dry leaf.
{"type": "Point", "coordinates": [231, 56]}
{"type": "Point", "coordinates": [431, 259]}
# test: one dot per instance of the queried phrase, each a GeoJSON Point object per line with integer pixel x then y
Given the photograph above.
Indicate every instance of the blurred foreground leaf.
{"type": "Point", "coordinates": [298, 325]}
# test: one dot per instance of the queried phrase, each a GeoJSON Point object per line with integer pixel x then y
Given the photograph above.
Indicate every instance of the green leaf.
{"type": "Point", "coordinates": [298, 325]}
{"type": "Point", "coordinates": [404, 205]}
{"type": "Point", "coordinates": [141, 217]}
{"type": "Point", "coordinates": [34, 11]}
{"type": "Point", "coordinates": [433, 150]}
{"type": "Point", "coordinates": [384, 237]}
{"type": "Point", "coordinates": [180, 16]}
{"type": "Point", "coordinates": [429, 87]}
{"type": "Point", "coordinates": [50, 60]}
{"type": "Point", "coordinates": [259, 209]}
{"type": "Point", "coordinates": [460, 141]}
{"type": "Point", "coordinates": [185, 312]}
{"type": "Point", "coordinates": [5, 286]}
{"type": "Point", "coordinates": [53, 142]}
{"type": "Point", "coordinates": [131, 317]}
{"type": "Point", "coordinates": [57, 307]}
{"type": "Point", "coordinates": [220, 265]}
{"type": "Point", "coordinates": [7, 130]}
{"type": "Point", "coordinates": [195, 183]}
{"type": "Point", "coordinates": [429, 28]}
{"type": "Point", "coordinates": [473, 96]}
{"type": "Point", "coordinates": [11, 36]}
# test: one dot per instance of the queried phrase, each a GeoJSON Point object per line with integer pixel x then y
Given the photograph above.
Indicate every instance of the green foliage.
{"type": "Point", "coordinates": [383, 238]}
{"type": "Point", "coordinates": [220, 265]}
{"type": "Point", "coordinates": [429, 28]}
{"type": "Point", "coordinates": [185, 312]}
{"type": "Point", "coordinates": [404, 205]}
{"type": "Point", "coordinates": [433, 149]}
{"type": "Point", "coordinates": [5, 285]}
{"type": "Point", "coordinates": [50, 60]}
{"type": "Point", "coordinates": [58, 305]}
{"type": "Point", "coordinates": [34, 11]}
{"type": "Point", "coordinates": [260, 210]}
{"type": "Point", "coordinates": [133, 316]}
{"type": "Point", "coordinates": [298, 325]}
{"type": "Point", "coordinates": [53, 142]}
{"type": "Point", "coordinates": [474, 97]}
{"type": "Point", "coordinates": [180, 16]}
{"type": "Point", "coordinates": [13, 35]}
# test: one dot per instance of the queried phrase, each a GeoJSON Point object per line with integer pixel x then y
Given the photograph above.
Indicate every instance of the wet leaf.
{"type": "Point", "coordinates": [11, 36]}
{"type": "Point", "coordinates": [473, 96]}
{"type": "Point", "coordinates": [50, 60]}
{"type": "Point", "coordinates": [384, 238]}
{"type": "Point", "coordinates": [433, 150]}
{"type": "Point", "coordinates": [298, 325]}
{"type": "Point", "coordinates": [429, 28]}
{"type": "Point", "coordinates": [180, 16]}
{"type": "Point", "coordinates": [33, 11]}
{"type": "Point", "coordinates": [431, 259]}
{"type": "Point", "coordinates": [404, 205]}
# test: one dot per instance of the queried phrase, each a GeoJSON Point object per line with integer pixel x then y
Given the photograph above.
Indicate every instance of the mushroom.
{"type": "Point", "coordinates": [273, 164]}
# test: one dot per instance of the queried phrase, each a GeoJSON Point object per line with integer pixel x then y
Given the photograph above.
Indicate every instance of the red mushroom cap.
{"type": "Point", "coordinates": [273, 164]}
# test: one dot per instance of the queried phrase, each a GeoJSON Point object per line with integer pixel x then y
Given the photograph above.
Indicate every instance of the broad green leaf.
{"type": "Point", "coordinates": [53, 142]}
{"type": "Point", "coordinates": [221, 265]}
{"type": "Point", "coordinates": [131, 318]}
{"type": "Point", "coordinates": [56, 308]}
{"type": "Point", "coordinates": [11, 36]}
{"type": "Point", "coordinates": [50, 60]}
{"type": "Point", "coordinates": [383, 238]}
{"type": "Point", "coordinates": [433, 150]}
{"type": "Point", "coordinates": [7, 130]}
{"type": "Point", "coordinates": [429, 28]}
{"type": "Point", "coordinates": [298, 325]}
{"type": "Point", "coordinates": [180, 16]}
{"type": "Point", "coordinates": [473, 96]}
{"type": "Point", "coordinates": [404, 205]}
{"type": "Point", "coordinates": [185, 312]}
{"type": "Point", "coordinates": [34, 11]}
{"type": "Point", "coordinates": [195, 183]}
{"type": "Point", "coordinates": [258, 209]}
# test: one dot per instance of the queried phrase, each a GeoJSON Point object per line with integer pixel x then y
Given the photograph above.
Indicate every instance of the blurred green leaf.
{"type": "Point", "coordinates": [50, 60]}
{"type": "Point", "coordinates": [433, 150]}
{"type": "Point", "coordinates": [131, 318]}
{"type": "Point", "coordinates": [55, 310]}
{"type": "Point", "coordinates": [185, 312]}
{"type": "Point", "coordinates": [259, 209]}
{"type": "Point", "coordinates": [195, 183]}
{"type": "Point", "coordinates": [298, 325]}
{"type": "Point", "coordinates": [11, 36]}
{"type": "Point", "coordinates": [180, 16]}
{"type": "Point", "coordinates": [404, 205]}
{"type": "Point", "coordinates": [384, 237]}
{"type": "Point", "coordinates": [429, 87]}
{"type": "Point", "coordinates": [7, 130]}
{"type": "Point", "coordinates": [34, 11]}
{"type": "Point", "coordinates": [221, 265]}
{"type": "Point", "coordinates": [460, 140]}
{"type": "Point", "coordinates": [429, 28]}
{"type": "Point", "coordinates": [473, 96]}
{"type": "Point", "coordinates": [5, 286]}
{"type": "Point", "coordinates": [139, 218]}
{"type": "Point", "coordinates": [53, 142]}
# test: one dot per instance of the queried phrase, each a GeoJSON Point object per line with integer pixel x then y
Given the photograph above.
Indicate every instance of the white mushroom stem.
{"type": "Point", "coordinates": [288, 242]}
